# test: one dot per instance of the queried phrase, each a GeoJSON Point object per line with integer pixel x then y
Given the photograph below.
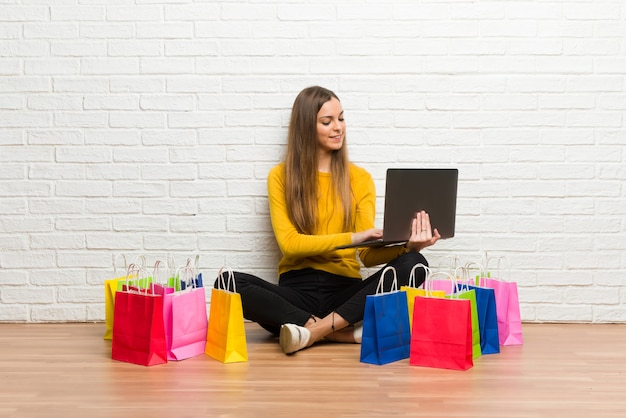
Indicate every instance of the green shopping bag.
{"type": "Point", "coordinates": [462, 291]}
{"type": "Point", "coordinates": [470, 294]}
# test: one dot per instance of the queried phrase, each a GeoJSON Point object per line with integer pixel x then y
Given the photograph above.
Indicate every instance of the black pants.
{"type": "Point", "coordinates": [302, 293]}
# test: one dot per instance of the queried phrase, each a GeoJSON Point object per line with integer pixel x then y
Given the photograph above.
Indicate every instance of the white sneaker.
{"type": "Point", "coordinates": [293, 338]}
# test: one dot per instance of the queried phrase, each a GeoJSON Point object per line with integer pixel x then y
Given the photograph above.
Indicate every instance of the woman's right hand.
{"type": "Point", "coordinates": [367, 235]}
{"type": "Point", "coordinates": [422, 233]}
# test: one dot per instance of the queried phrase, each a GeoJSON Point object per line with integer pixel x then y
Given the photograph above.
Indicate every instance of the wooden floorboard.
{"type": "Point", "coordinates": [65, 370]}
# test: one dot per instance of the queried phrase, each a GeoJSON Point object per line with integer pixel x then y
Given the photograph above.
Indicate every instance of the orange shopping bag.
{"type": "Point", "coordinates": [226, 334]}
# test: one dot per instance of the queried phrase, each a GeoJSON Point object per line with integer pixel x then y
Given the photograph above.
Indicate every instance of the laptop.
{"type": "Point", "coordinates": [410, 190]}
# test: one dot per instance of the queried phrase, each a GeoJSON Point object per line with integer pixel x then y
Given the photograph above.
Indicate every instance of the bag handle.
{"type": "Point", "coordinates": [140, 273]}
{"type": "Point", "coordinates": [412, 274]}
{"type": "Point", "coordinates": [394, 284]}
{"type": "Point", "coordinates": [450, 277]}
{"type": "Point", "coordinates": [464, 278]}
{"type": "Point", "coordinates": [196, 267]}
{"type": "Point", "coordinates": [141, 258]}
{"type": "Point", "coordinates": [184, 274]}
{"type": "Point", "coordinates": [225, 284]}
{"type": "Point", "coordinates": [460, 274]}
{"type": "Point", "coordinates": [129, 270]}
{"type": "Point", "coordinates": [453, 262]}
{"type": "Point", "coordinates": [428, 286]}
{"type": "Point", "coordinates": [471, 266]}
{"type": "Point", "coordinates": [171, 266]}
{"type": "Point", "coordinates": [117, 256]}
{"type": "Point", "coordinates": [156, 273]}
{"type": "Point", "coordinates": [501, 260]}
{"type": "Point", "coordinates": [428, 283]}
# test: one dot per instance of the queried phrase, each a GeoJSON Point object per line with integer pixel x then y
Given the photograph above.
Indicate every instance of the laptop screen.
{"type": "Point", "coordinates": [409, 190]}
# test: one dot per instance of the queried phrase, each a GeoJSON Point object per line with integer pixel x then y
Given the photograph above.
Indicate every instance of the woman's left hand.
{"type": "Point", "coordinates": [422, 234]}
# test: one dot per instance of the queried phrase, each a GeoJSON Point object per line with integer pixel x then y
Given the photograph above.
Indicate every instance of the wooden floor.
{"type": "Point", "coordinates": [65, 370]}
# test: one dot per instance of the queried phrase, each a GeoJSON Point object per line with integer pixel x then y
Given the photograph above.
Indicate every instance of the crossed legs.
{"type": "Point", "coordinates": [310, 305]}
{"type": "Point", "coordinates": [335, 325]}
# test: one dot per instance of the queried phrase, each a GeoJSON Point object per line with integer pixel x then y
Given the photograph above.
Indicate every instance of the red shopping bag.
{"type": "Point", "coordinates": [442, 333]}
{"type": "Point", "coordinates": [138, 333]}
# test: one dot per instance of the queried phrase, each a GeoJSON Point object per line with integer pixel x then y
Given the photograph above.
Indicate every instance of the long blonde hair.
{"type": "Point", "coordinates": [301, 164]}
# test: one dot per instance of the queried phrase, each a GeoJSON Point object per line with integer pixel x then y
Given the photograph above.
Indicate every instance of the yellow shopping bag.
{"type": "Point", "coordinates": [226, 334]}
{"type": "Point", "coordinates": [110, 287]}
{"type": "Point", "coordinates": [412, 291]}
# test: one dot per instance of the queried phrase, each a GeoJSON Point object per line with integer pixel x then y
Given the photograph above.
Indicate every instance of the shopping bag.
{"type": "Point", "coordinates": [386, 334]}
{"type": "Point", "coordinates": [412, 290]}
{"type": "Point", "coordinates": [188, 320]}
{"type": "Point", "coordinates": [226, 334]}
{"type": "Point", "coordinates": [138, 331]}
{"type": "Point", "coordinates": [453, 285]}
{"type": "Point", "coordinates": [110, 287]}
{"type": "Point", "coordinates": [487, 319]}
{"type": "Point", "coordinates": [167, 293]}
{"type": "Point", "coordinates": [507, 306]}
{"type": "Point", "coordinates": [442, 335]}
{"type": "Point", "coordinates": [464, 292]}
{"type": "Point", "coordinates": [486, 308]}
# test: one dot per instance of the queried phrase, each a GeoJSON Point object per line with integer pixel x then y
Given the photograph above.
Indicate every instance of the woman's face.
{"type": "Point", "coordinates": [331, 128]}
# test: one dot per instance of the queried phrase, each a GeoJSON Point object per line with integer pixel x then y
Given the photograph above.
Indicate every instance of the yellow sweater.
{"type": "Point", "coordinates": [300, 251]}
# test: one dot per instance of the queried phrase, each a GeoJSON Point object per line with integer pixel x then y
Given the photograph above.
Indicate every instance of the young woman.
{"type": "Point", "coordinates": [319, 201]}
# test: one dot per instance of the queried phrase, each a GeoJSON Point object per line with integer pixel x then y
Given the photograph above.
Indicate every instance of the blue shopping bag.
{"type": "Point", "coordinates": [386, 330]}
{"type": "Point", "coordinates": [487, 319]}
{"type": "Point", "coordinates": [486, 309]}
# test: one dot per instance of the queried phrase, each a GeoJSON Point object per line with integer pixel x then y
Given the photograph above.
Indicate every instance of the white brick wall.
{"type": "Point", "coordinates": [150, 128]}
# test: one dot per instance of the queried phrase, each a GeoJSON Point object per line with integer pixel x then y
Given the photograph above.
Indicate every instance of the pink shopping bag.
{"type": "Point", "coordinates": [507, 307]}
{"type": "Point", "coordinates": [189, 323]}
{"type": "Point", "coordinates": [184, 316]}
